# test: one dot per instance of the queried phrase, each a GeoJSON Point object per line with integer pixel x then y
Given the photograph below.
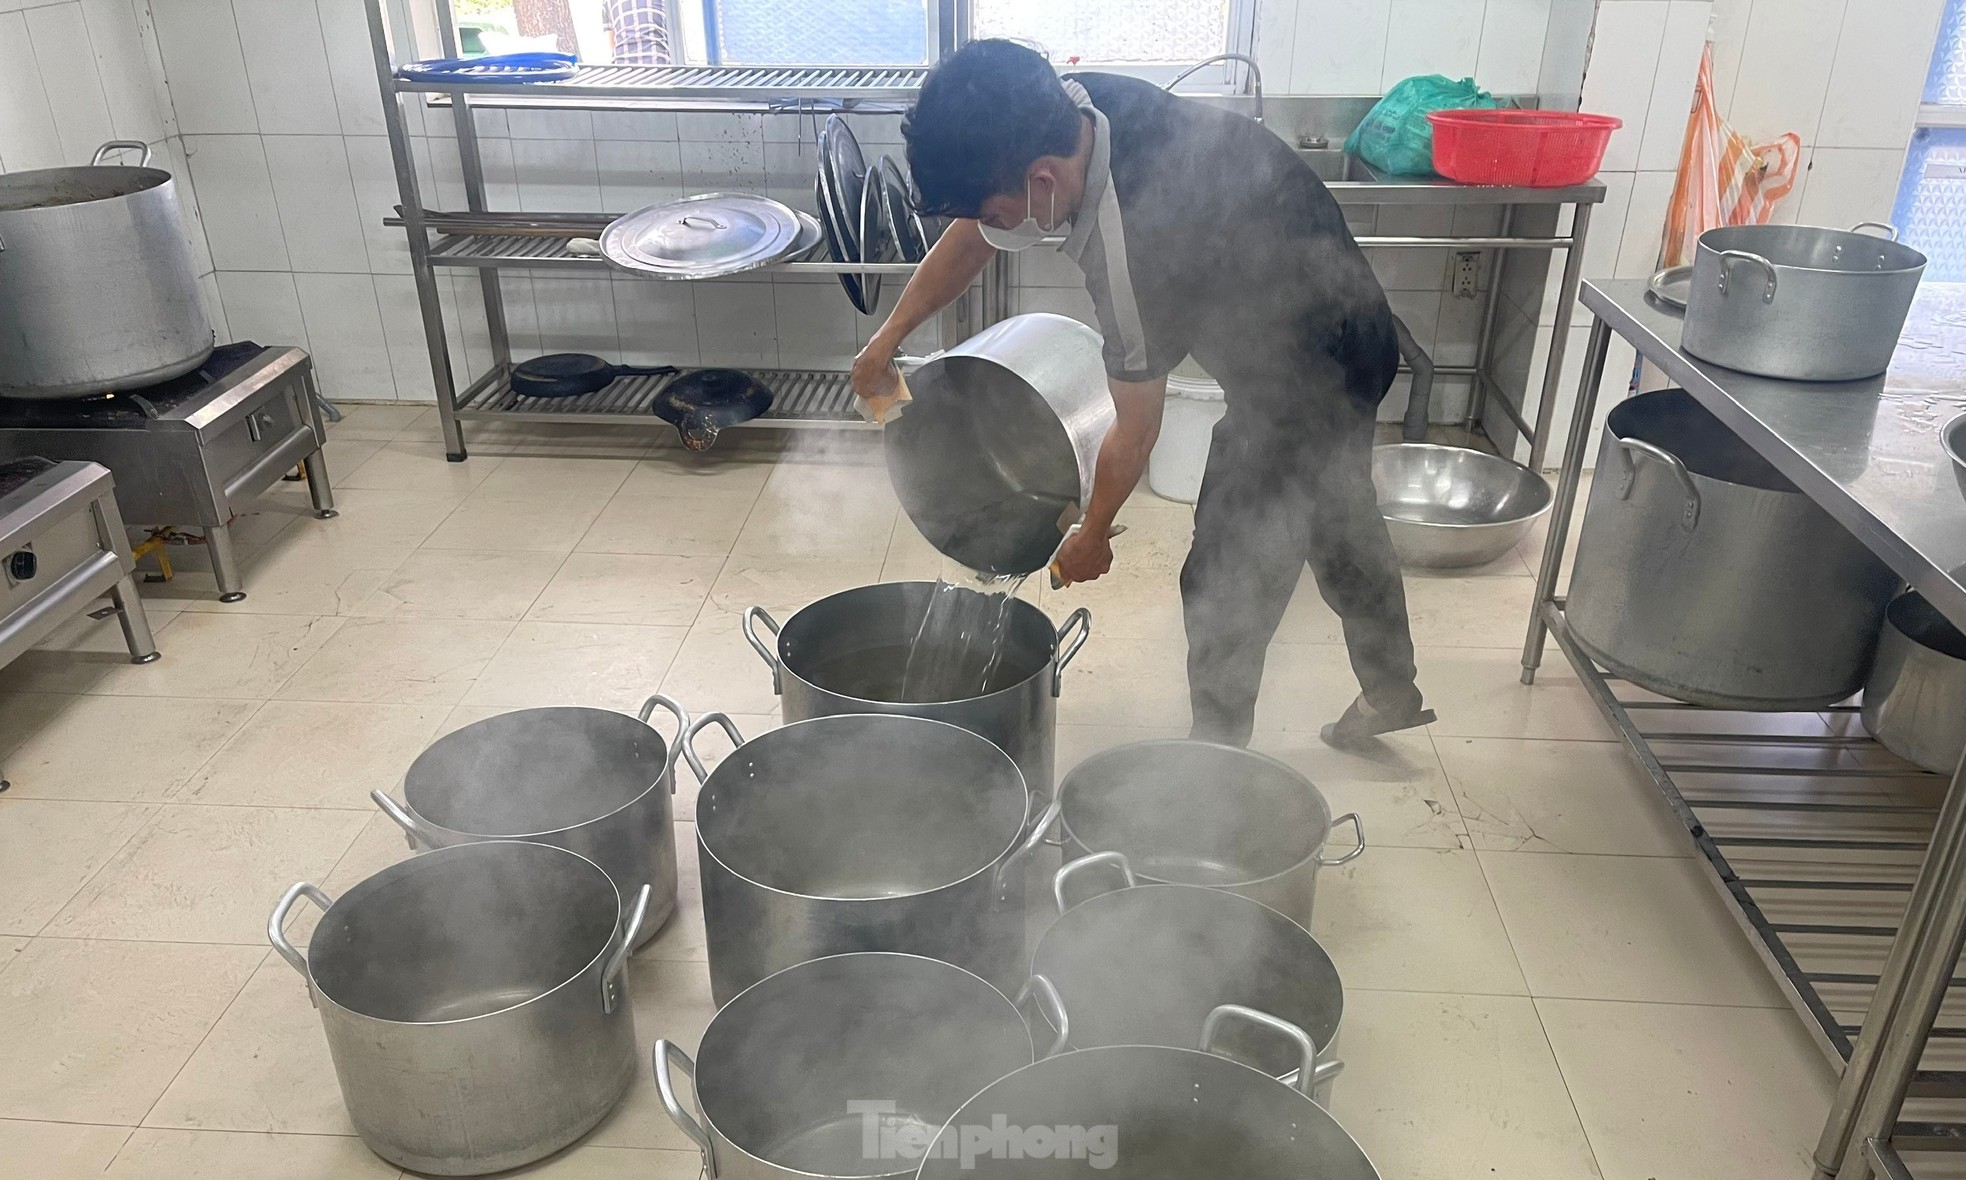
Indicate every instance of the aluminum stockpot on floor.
{"type": "Point", "coordinates": [843, 1066]}
{"type": "Point", "coordinates": [860, 833]}
{"type": "Point", "coordinates": [1138, 1112]}
{"type": "Point", "coordinates": [848, 653]}
{"type": "Point", "coordinates": [1199, 813]}
{"type": "Point", "coordinates": [475, 1002]}
{"type": "Point", "coordinates": [591, 781]}
{"type": "Point", "coordinates": [1146, 964]}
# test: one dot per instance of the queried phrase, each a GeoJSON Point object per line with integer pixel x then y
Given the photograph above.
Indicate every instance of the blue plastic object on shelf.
{"type": "Point", "coordinates": [501, 67]}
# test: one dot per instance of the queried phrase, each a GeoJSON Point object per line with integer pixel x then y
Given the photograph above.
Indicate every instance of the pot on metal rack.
{"type": "Point", "coordinates": [475, 1002]}
{"type": "Point", "coordinates": [1146, 964]}
{"type": "Point", "coordinates": [591, 781]}
{"type": "Point", "coordinates": [1198, 813]}
{"type": "Point", "coordinates": [860, 833]}
{"type": "Point", "coordinates": [849, 653]}
{"type": "Point", "coordinates": [842, 1066]}
{"type": "Point", "coordinates": [1703, 575]}
{"type": "Point", "coordinates": [1915, 699]}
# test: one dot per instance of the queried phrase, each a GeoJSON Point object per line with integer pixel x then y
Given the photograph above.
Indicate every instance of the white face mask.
{"type": "Point", "coordinates": [1026, 233]}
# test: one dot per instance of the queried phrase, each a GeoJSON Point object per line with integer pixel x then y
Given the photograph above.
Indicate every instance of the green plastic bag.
{"type": "Point", "coordinates": [1396, 137]}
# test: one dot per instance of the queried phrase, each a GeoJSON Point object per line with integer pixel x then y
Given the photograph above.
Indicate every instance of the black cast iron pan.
{"type": "Point", "coordinates": [704, 401]}
{"type": "Point", "coordinates": [570, 374]}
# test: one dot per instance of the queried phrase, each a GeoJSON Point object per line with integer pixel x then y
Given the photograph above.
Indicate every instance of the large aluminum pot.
{"type": "Point", "coordinates": [475, 1002]}
{"type": "Point", "coordinates": [1140, 1112]}
{"type": "Point", "coordinates": [1915, 700]}
{"type": "Point", "coordinates": [1197, 813]}
{"type": "Point", "coordinates": [859, 833]}
{"type": "Point", "coordinates": [844, 1066]}
{"type": "Point", "coordinates": [1146, 964]}
{"type": "Point", "coordinates": [848, 653]}
{"type": "Point", "coordinates": [994, 457]}
{"type": "Point", "coordinates": [1703, 574]}
{"type": "Point", "coordinates": [1800, 302]}
{"type": "Point", "coordinates": [97, 288]}
{"type": "Point", "coordinates": [591, 781]}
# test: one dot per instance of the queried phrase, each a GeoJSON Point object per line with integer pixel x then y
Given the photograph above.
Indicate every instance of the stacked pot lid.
{"type": "Point", "coordinates": [708, 236]}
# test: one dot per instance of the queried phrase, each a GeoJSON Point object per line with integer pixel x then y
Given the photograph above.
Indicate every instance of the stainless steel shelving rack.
{"type": "Point", "coordinates": [1844, 865]}
{"type": "Point", "coordinates": [538, 241]}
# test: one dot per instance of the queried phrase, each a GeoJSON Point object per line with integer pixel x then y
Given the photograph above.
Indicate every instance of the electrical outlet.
{"type": "Point", "coordinates": [1467, 273]}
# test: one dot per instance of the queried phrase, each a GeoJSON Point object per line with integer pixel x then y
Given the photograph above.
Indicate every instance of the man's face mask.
{"type": "Point", "coordinates": [1026, 233]}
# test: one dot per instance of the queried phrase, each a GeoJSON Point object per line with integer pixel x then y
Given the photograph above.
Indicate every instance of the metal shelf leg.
{"type": "Point", "coordinates": [1566, 303]}
{"type": "Point", "coordinates": [1566, 494]}
{"type": "Point", "coordinates": [1910, 987]}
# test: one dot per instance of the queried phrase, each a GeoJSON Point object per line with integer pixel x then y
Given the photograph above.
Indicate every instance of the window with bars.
{"type": "Point", "coordinates": [1127, 34]}
{"type": "Point", "coordinates": [1930, 212]}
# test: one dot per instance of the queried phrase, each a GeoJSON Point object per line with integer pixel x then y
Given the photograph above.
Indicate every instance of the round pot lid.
{"type": "Point", "coordinates": [904, 224]}
{"type": "Point", "coordinates": [811, 234]}
{"type": "Point", "coordinates": [701, 237]}
{"type": "Point", "coordinates": [876, 244]}
{"type": "Point", "coordinates": [1671, 286]}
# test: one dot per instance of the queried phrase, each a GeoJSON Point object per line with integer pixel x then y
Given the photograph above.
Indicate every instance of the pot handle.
{"type": "Point", "coordinates": [1351, 854]}
{"type": "Point", "coordinates": [1890, 231]}
{"type": "Point", "coordinates": [1309, 1072]}
{"type": "Point", "coordinates": [131, 145]}
{"type": "Point", "coordinates": [276, 926]}
{"type": "Point", "coordinates": [1046, 821]}
{"type": "Point", "coordinates": [1083, 863]}
{"type": "Point", "coordinates": [663, 1058]}
{"type": "Point", "coordinates": [611, 974]}
{"type": "Point", "coordinates": [1728, 259]}
{"type": "Point", "coordinates": [682, 727]}
{"type": "Point", "coordinates": [406, 820]}
{"type": "Point", "coordinates": [687, 740]}
{"type": "Point", "coordinates": [1051, 1006]}
{"type": "Point", "coordinates": [1082, 620]}
{"type": "Point", "coordinates": [1630, 448]}
{"type": "Point", "coordinates": [764, 650]}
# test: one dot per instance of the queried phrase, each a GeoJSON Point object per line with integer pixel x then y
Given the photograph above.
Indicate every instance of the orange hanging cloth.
{"type": "Point", "coordinates": [1723, 179]}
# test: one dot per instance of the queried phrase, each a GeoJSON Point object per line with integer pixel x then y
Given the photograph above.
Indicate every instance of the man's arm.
{"type": "Point", "coordinates": [1122, 458]}
{"type": "Point", "coordinates": [952, 264]}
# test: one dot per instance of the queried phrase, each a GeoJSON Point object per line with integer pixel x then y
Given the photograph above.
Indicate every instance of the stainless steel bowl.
{"type": "Point", "coordinates": [1953, 435]}
{"type": "Point", "coordinates": [1448, 507]}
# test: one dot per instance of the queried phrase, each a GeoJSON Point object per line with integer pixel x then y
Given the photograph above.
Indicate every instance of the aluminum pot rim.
{"type": "Point", "coordinates": [1270, 911]}
{"type": "Point", "coordinates": [1712, 252]}
{"type": "Point", "coordinates": [785, 667]}
{"type": "Point", "coordinates": [773, 1164]}
{"type": "Point", "coordinates": [1310, 858]}
{"type": "Point", "coordinates": [1951, 436]}
{"type": "Point", "coordinates": [1017, 837]}
{"type": "Point", "coordinates": [423, 859]}
{"type": "Point", "coordinates": [103, 171]}
{"type": "Point", "coordinates": [538, 837]}
{"type": "Point", "coordinates": [1548, 497]}
{"type": "Point", "coordinates": [1166, 1052]}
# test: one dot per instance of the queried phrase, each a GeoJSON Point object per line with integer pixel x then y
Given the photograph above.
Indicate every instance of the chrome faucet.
{"type": "Point", "coordinates": [1255, 76]}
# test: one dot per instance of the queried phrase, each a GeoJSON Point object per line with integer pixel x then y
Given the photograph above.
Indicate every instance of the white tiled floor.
{"type": "Point", "coordinates": [1539, 984]}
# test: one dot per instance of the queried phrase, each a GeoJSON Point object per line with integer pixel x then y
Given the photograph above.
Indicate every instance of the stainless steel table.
{"type": "Point", "coordinates": [1868, 452]}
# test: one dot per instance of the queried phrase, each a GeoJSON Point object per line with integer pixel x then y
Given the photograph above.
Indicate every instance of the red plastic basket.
{"type": "Point", "coordinates": [1537, 149]}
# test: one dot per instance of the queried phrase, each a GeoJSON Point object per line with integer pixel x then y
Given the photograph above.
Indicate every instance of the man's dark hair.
{"type": "Point", "coordinates": [985, 113]}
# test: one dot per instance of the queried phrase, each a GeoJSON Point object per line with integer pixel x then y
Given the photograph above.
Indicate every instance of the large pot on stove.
{"type": "Point", "coordinates": [475, 1002]}
{"type": "Point", "coordinates": [849, 652]}
{"type": "Point", "coordinates": [1199, 813]}
{"type": "Point", "coordinates": [591, 781]}
{"type": "Point", "coordinates": [1147, 964]}
{"type": "Point", "coordinates": [1140, 1112]}
{"type": "Point", "coordinates": [97, 288]}
{"type": "Point", "coordinates": [860, 833]}
{"type": "Point", "coordinates": [844, 1066]}
{"type": "Point", "coordinates": [1704, 575]}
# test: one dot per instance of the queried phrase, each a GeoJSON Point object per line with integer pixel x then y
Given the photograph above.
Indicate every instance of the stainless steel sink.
{"type": "Point", "coordinates": [1337, 164]}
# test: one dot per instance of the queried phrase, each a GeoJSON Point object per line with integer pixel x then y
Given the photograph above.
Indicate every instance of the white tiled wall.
{"type": "Point", "coordinates": [1364, 46]}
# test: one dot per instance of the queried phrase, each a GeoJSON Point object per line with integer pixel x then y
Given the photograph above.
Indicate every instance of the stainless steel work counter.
{"type": "Point", "coordinates": [1816, 886]}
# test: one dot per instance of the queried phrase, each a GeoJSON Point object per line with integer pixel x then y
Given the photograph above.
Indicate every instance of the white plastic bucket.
{"type": "Point", "coordinates": [1194, 406]}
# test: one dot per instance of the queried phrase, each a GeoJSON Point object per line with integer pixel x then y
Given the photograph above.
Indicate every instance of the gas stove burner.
{"type": "Point", "coordinates": [132, 407]}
